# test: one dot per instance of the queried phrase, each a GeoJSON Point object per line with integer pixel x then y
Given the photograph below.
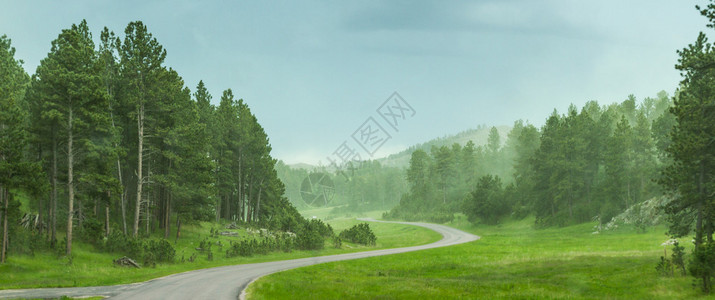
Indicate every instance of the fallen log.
{"type": "Point", "coordinates": [126, 262]}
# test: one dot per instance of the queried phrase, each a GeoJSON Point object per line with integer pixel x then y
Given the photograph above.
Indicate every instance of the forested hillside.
{"type": "Point", "coordinates": [107, 137]}
{"type": "Point", "coordinates": [366, 186]}
{"type": "Point", "coordinates": [591, 162]}
{"type": "Point", "coordinates": [479, 136]}
{"type": "Point", "coordinates": [376, 184]}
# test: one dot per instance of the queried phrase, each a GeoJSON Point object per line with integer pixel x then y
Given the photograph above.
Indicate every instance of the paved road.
{"type": "Point", "coordinates": [227, 282]}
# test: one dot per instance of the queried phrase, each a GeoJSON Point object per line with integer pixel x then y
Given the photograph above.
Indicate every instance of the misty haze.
{"type": "Point", "coordinates": [391, 150]}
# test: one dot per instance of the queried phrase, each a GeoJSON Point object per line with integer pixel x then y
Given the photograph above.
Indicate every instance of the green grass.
{"type": "Point", "coordinates": [91, 268]}
{"type": "Point", "coordinates": [512, 260]}
{"type": "Point", "coordinates": [326, 213]}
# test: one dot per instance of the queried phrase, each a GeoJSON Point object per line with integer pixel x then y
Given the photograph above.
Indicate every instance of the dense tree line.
{"type": "Point", "coordinates": [359, 187]}
{"type": "Point", "coordinates": [588, 163]}
{"type": "Point", "coordinates": [109, 133]}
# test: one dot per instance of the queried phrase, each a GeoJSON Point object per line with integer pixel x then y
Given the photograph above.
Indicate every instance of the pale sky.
{"type": "Point", "coordinates": [315, 71]}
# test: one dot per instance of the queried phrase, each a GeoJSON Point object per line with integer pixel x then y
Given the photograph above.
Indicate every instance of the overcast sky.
{"type": "Point", "coordinates": [313, 72]}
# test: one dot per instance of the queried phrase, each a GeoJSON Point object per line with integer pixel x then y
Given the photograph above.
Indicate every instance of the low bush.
{"type": "Point", "coordinates": [161, 250]}
{"type": "Point", "coordinates": [119, 243]}
{"type": "Point", "coordinates": [150, 251]}
{"type": "Point", "coordinates": [313, 234]}
{"type": "Point", "coordinates": [92, 232]}
{"type": "Point", "coordinates": [246, 248]}
{"type": "Point", "coordinates": [359, 234]}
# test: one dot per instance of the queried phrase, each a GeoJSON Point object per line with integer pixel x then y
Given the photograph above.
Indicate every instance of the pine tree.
{"type": "Point", "coordinates": [15, 170]}
{"type": "Point", "coordinates": [141, 59]}
{"type": "Point", "coordinates": [69, 82]}
{"type": "Point", "coordinates": [110, 75]}
{"type": "Point", "coordinates": [618, 171]}
{"type": "Point", "coordinates": [689, 177]}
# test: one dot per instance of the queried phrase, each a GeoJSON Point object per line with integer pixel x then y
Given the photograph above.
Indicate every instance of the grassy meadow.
{"type": "Point", "coordinates": [90, 268]}
{"type": "Point", "coordinates": [512, 260]}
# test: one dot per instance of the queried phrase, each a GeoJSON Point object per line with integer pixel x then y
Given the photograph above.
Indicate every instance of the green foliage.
{"type": "Point", "coordinates": [678, 258]}
{"type": "Point", "coordinates": [664, 267]}
{"type": "Point", "coordinates": [119, 243]}
{"type": "Point", "coordinates": [591, 163]}
{"type": "Point", "coordinates": [92, 231]}
{"type": "Point", "coordinates": [313, 234]}
{"type": "Point", "coordinates": [247, 248]}
{"type": "Point", "coordinates": [150, 252]}
{"type": "Point", "coordinates": [94, 268]}
{"type": "Point", "coordinates": [690, 156]}
{"type": "Point", "coordinates": [158, 251]}
{"type": "Point", "coordinates": [702, 265]}
{"type": "Point", "coordinates": [337, 242]}
{"type": "Point", "coordinates": [22, 240]}
{"type": "Point", "coordinates": [359, 234]}
{"type": "Point", "coordinates": [86, 112]}
{"type": "Point", "coordinates": [487, 202]}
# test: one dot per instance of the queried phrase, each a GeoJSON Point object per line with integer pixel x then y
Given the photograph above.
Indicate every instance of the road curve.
{"type": "Point", "coordinates": [227, 282]}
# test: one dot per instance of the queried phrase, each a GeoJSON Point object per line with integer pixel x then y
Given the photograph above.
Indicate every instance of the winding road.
{"type": "Point", "coordinates": [227, 282]}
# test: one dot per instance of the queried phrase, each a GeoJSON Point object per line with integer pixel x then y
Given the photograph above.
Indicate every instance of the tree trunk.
{"type": "Point", "coordinates": [218, 194]}
{"type": "Point", "coordinates": [80, 213]}
{"type": "Point", "coordinates": [140, 176]}
{"type": "Point", "coordinates": [123, 202]}
{"type": "Point", "coordinates": [106, 214]}
{"type": "Point", "coordinates": [150, 195]}
{"type": "Point", "coordinates": [70, 183]}
{"type": "Point", "coordinates": [249, 209]}
{"type": "Point", "coordinates": [4, 196]}
{"type": "Point", "coordinates": [227, 212]}
{"type": "Point", "coordinates": [122, 196]}
{"type": "Point", "coordinates": [147, 214]}
{"type": "Point", "coordinates": [40, 205]}
{"type": "Point", "coordinates": [53, 195]}
{"type": "Point", "coordinates": [240, 208]}
{"type": "Point", "coordinates": [218, 208]}
{"type": "Point", "coordinates": [178, 229]}
{"type": "Point", "coordinates": [167, 216]}
{"type": "Point", "coordinates": [38, 224]}
{"type": "Point", "coordinates": [258, 202]}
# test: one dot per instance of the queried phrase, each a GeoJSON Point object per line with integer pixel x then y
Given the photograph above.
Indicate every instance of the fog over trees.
{"type": "Point", "coordinates": [107, 145]}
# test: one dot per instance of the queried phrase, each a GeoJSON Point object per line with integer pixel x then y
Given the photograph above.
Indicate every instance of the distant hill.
{"type": "Point", "coordinates": [401, 159]}
{"type": "Point", "coordinates": [478, 136]}
{"type": "Point", "coordinates": [304, 166]}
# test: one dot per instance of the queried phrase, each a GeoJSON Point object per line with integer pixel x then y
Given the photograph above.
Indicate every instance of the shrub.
{"type": "Point", "coordinates": [310, 240]}
{"type": "Point", "coordinates": [313, 234]}
{"type": "Point", "coordinates": [150, 251]}
{"type": "Point", "coordinates": [359, 234]}
{"type": "Point", "coordinates": [702, 265]}
{"type": "Point", "coordinates": [92, 231]}
{"type": "Point", "coordinates": [120, 243]}
{"type": "Point", "coordinates": [337, 242]}
{"type": "Point", "coordinates": [678, 258]}
{"type": "Point", "coordinates": [160, 250]}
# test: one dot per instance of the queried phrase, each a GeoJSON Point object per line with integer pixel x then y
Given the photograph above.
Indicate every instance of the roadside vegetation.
{"type": "Point", "coordinates": [198, 248]}
{"type": "Point", "coordinates": [511, 260]}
